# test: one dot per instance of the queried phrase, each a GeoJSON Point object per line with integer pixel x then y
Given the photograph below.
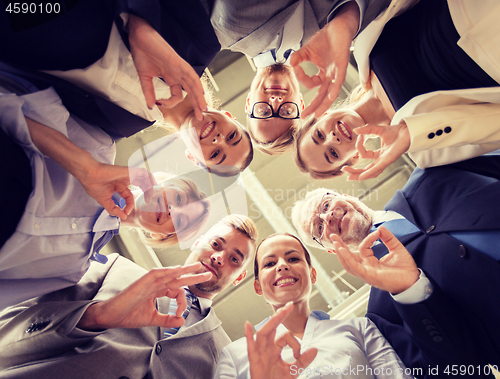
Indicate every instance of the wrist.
{"type": "Point", "coordinates": [82, 167]}
{"type": "Point", "coordinates": [347, 18]}
{"type": "Point", "coordinates": [89, 320]}
{"type": "Point", "coordinates": [405, 135]}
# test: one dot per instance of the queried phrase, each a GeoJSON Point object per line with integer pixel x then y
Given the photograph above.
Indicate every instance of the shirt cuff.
{"type": "Point", "coordinates": [418, 292]}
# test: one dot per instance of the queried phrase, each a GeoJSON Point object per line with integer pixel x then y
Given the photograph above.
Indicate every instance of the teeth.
{"type": "Point", "coordinates": [284, 281]}
{"type": "Point", "coordinates": [207, 130]}
{"type": "Point", "coordinates": [344, 130]}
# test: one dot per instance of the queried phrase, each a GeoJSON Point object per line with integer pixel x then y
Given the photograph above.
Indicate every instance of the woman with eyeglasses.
{"type": "Point", "coordinates": [429, 88]}
{"type": "Point", "coordinates": [284, 275]}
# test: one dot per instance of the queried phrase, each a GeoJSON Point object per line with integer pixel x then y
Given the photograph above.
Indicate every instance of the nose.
{"type": "Point", "coordinates": [282, 266]}
{"type": "Point", "coordinates": [218, 138]}
{"type": "Point", "coordinates": [217, 259]}
{"type": "Point", "coordinates": [275, 101]}
{"type": "Point", "coordinates": [332, 137]}
{"type": "Point", "coordinates": [332, 215]}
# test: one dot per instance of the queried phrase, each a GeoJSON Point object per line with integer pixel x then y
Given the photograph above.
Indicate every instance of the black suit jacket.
{"type": "Point", "coordinates": [79, 35]}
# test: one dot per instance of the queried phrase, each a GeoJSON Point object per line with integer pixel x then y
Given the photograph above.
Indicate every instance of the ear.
{"type": "Point", "coordinates": [313, 275]}
{"type": "Point", "coordinates": [228, 114]}
{"type": "Point", "coordinates": [302, 104]}
{"type": "Point", "coordinates": [240, 278]}
{"type": "Point", "coordinates": [257, 288]}
{"type": "Point", "coordinates": [191, 157]}
{"type": "Point", "coordinates": [355, 158]}
{"type": "Point", "coordinates": [197, 242]}
{"type": "Point", "coordinates": [247, 104]}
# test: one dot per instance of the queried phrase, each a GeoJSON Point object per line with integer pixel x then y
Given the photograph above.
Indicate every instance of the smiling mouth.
{"type": "Point", "coordinates": [207, 129]}
{"type": "Point", "coordinates": [343, 129]}
{"type": "Point", "coordinates": [210, 269]}
{"type": "Point", "coordinates": [283, 281]}
{"type": "Point", "coordinates": [339, 225]}
{"type": "Point", "coordinates": [158, 210]}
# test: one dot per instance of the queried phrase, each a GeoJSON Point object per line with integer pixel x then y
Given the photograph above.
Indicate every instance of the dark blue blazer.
{"type": "Point", "coordinates": [79, 35]}
{"type": "Point", "coordinates": [459, 322]}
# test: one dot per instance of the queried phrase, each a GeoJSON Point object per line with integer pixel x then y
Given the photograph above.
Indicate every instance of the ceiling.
{"type": "Point", "coordinates": [272, 186]}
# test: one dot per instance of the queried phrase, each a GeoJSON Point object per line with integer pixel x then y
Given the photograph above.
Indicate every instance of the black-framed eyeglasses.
{"type": "Point", "coordinates": [263, 110]}
{"type": "Point", "coordinates": [318, 226]}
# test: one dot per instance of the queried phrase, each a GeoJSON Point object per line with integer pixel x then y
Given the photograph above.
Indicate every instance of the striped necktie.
{"type": "Point", "coordinates": [192, 300]}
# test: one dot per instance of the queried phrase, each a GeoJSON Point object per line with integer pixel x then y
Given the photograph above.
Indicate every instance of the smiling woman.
{"type": "Point", "coordinates": [218, 143]}
{"type": "Point", "coordinates": [176, 211]}
{"type": "Point", "coordinates": [283, 274]}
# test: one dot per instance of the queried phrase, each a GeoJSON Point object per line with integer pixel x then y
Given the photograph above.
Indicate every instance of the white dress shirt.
{"type": "Point", "coordinates": [115, 78]}
{"type": "Point", "coordinates": [56, 235]}
{"type": "Point", "coordinates": [352, 348]}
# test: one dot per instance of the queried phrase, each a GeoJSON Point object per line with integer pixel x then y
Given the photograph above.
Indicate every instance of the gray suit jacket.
{"type": "Point", "coordinates": [38, 338]}
{"type": "Point", "coordinates": [250, 26]}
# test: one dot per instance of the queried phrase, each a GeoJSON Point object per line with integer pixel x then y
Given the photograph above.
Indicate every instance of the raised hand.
{"type": "Point", "coordinates": [264, 353]}
{"type": "Point", "coordinates": [135, 306]}
{"type": "Point", "coordinates": [102, 180]}
{"type": "Point", "coordinates": [329, 50]}
{"type": "Point", "coordinates": [154, 57]}
{"type": "Point", "coordinates": [395, 141]}
{"type": "Point", "coordinates": [395, 272]}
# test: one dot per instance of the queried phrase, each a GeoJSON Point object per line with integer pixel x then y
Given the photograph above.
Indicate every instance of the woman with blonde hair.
{"type": "Point", "coordinates": [78, 198]}
{"type": "Point", "coordinates": [431, 67]}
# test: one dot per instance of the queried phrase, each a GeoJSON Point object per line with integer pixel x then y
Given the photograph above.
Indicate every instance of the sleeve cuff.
{"type": "Point", "coordinates": [418, 292]}
{"type": "Point", "coordinates": [69, 328]}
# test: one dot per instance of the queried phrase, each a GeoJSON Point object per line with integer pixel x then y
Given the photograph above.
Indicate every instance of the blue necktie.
{"type": "Point", "coordinates": [399, 227]}
{"type": "Point", "coordinates": [191, 300]}
{"type": "Point", "coordinates": [485, 241]}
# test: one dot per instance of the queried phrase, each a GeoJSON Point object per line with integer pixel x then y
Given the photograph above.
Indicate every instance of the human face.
{"type": "Point", "coordinates": [170, 210]}
{"type": "Point", "coordinates": [284, 274]}
{"type": "Point", "coordinates": [334, 214]}
{"type": "Point", "coordinates": [224, 252]}
{"type": "Point", "coordinates": [217, 140]}
{"type": "Point", "coordinates": [275, 85]}
{"type": "Point", "coordinates": [331, 142]}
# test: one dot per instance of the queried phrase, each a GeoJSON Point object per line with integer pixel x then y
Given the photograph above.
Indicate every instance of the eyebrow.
{"type": "Point", "coordinates": [327, 158]}
{"type": "Point", "coordinates": [237, 142]}
{"type": "Point", "coordinates": [287, 253]}
{"type": "Point", "coordinates": [316, 142]}
{"type": "Point", "coordinates": [222, 160]}
{"type": "Point", "coordinates": [237, 251]}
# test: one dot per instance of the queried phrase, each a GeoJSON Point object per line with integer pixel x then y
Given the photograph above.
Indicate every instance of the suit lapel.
{"type": "Point", "coordinates": [209, 323]}
{"type": "Point", "coordinates": [399, 204]}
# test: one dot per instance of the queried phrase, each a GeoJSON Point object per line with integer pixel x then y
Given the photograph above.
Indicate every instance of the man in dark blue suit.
{"type": "Point", "coordinates": [442, 318]}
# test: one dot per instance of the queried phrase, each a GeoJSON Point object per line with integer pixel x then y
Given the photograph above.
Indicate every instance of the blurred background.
{"type": "Point", "coordinates": [271, 185]}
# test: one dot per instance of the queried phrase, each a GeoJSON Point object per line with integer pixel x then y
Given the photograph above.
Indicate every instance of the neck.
{"type": "Point", "coordinates": [175, 116]}
{"type": "Point", "coordinates": [297, 320]}
{"type": "Point", "coordinates": [370, 109]}
{"type": "Point", "coordinates": [199, 293]}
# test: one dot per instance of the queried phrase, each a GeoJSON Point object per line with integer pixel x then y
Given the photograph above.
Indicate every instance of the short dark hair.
{"type": "Point", "coordinates": [256, 263]}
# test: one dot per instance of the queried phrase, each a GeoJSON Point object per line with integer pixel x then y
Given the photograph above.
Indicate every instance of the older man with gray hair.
{"type": "Point", "coordinates": [434, 268]}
